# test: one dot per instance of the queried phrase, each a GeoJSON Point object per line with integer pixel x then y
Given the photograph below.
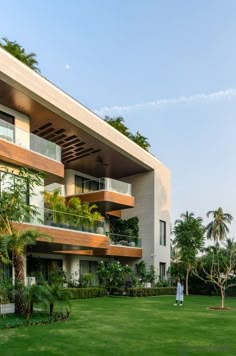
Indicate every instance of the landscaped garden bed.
{"type": "Point", "coordinates": [37, 318]}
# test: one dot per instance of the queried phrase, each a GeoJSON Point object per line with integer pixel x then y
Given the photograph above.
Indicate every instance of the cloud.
{"type": "Point", "coordinates": [67, 66]}
{"type": "Point", "coordinates": [159, 103]}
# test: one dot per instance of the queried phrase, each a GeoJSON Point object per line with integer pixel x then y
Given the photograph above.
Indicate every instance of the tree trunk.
{"type": "Point", "coordinates": [222, 291]}
{"type": "Point", "coordinates": [186, 282]}
{"type": "Point", "coordinates": [18, 263]}
{"type": "Point", "coordinates": [51, 309]}
{"type": "Point", "coordinates": [27, 312]}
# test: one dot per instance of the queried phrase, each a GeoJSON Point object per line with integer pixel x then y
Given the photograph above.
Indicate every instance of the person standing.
{"type": "Point", "coordinates": [179, 293]}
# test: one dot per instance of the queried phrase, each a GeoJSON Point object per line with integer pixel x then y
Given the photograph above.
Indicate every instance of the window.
{"type": "Point", "coordinates": [83, 185]}
{"type": "Point", "coordinates": [162, 233]}
{"type": "Point", "coordinates": [6, 117]}
{"type": "Point", "coordinates": [162, 275]}
{"type": "Point", "coordinates": [37, 266]}
{"type": "Point", "coordinates": [7, 126]}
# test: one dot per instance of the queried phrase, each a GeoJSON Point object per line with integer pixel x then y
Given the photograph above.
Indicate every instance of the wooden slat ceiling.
{"type": "Point", "coordinates": [80, 150]}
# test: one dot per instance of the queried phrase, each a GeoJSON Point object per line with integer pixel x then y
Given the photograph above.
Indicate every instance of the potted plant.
{"type": "Point", "coordinates": [55, 204]}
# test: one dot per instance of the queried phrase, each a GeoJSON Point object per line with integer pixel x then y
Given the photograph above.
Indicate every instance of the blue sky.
{"type": "Point", "coordinates": [168, 67]}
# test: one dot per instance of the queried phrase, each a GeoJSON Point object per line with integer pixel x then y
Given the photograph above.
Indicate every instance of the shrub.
{"type": "Point", "coordinates": [83, 293]}
{"type": "Point", "coordinates": [112, 274]}
{"type": "Point", "coordinates": [199, 287]}
{"type": "Point", "coordinates": [6, 290]}
{"type": "Point", "coordinates": [147, 292]}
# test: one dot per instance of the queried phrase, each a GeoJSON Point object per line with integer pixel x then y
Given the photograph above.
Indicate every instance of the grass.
{"type": "Point", "coordinates": [130, 326]}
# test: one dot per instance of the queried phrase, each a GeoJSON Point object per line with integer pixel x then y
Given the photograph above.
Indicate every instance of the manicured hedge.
{"type": "Point", "coordinates": [83, 293]}
{"type": "Point", "coordinates": [93, 292]}
{"type": "Point", "coordinates": [145, 292]}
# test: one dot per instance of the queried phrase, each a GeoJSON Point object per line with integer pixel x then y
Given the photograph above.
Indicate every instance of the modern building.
{"type": "Point", "coordinates": [46, 130]}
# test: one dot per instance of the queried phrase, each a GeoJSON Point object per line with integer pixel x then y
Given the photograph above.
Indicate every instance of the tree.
{"type": "Point", "coordinates": [217, 228]}
{"type": "Point", "coordinates": [217, 266]}
{"type": "Point", "coordinates": [16, 208]}
{"type": "Point", "coordinates": [119, 124]}
{"type": "Point", "coordinates": [55, 204]}
{"type": "Point", "coordinates": [141, 140]}
{"type": "Point", "coordinates": [56, 292]}
{"type": "Point", "coordinates": [33, 294]}
{"type": "Point", "coordinates": [189, 239]}
{"type": "Point", "coordinates": [19, 52]}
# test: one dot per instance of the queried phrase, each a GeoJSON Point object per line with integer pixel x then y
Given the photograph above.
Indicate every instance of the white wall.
{"type": "Point", "coordinates": [152, 204]}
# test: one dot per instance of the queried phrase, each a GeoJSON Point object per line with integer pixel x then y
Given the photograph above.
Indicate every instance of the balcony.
{"type": "Point", "coordinates": [22, 148]}
{"type": "Point", "coordinates": [109, 194]}
{"type": "Point", "coordinates": [73, 222]}
{"type": "Point", "coordinates": [67, 230]}
{"type": "Point", "coordinates": [125, 240]}
{"type": "Point", "coordinates": [79, 235]}
{"type": "Point", "coordinates": [29, 141]}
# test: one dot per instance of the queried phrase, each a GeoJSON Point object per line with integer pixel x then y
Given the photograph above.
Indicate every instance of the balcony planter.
{"type": "Point", "coordinates": [8, 308]}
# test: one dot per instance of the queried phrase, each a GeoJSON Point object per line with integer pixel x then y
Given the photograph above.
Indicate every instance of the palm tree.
{"type": "Point", "coordinates": [55, 292]}
{"type": "Point", "coordinates": [19, 52]}
{"type": "Point", "coordinates": [15, 208]}
{"type": "Point", "coordinates": [55, 202]}
{"type": "Point", "coordinates": [217, 228]}
{"type": "Point", "coordinates": [187, 216]}
{"type": "Point", "coordinates": [16, 243]}
{"type": "Point", "coordinates": [34, 294]}
{"type": "Point", "coordinates": [189, 239]}
{"type": "Point", "coordinates": [74, 209]}
{"type": "Point", "coordinates": [90, 215]}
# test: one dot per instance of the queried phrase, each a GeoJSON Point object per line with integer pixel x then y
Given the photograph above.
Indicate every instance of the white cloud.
{"type": "Point", "coordinates": [67, 66]}
{"type": "Point", "coordinates": [202, 97]}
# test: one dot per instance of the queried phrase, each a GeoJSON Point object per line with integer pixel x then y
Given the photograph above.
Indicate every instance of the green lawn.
{"type": "Point", "coordinates": [130, 326]}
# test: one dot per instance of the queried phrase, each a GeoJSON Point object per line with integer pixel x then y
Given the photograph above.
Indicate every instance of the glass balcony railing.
{"type": "Point", "coordinates": [125, 240]}
{"type": "Point", "coordinates": [109, 184]}
{"type": "Point", "coordinates": [72, 222]}
{"type": "Point", "coordinates": [29, 141]}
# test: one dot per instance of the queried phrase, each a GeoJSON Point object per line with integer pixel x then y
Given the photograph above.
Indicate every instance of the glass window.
{"type": "Point", "coordinates": [78, 185]}
{"type": "Point", "coordinates": [6, 117]}
{"type": "Point", "coordinates": [83, 185]}
{"type": "Point", "coordinates": [162, 233]}
{"type": "Point", "coordinates": [7, 126]}
{"type": "Point", "coordinates": [162, 275]}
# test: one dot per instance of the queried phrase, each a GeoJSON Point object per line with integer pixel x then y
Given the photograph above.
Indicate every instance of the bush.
{"type": "Point", "coordinates": [112, 274]}
{"type": "Point", "coordinates": [199, 287]}
{"type": "Point", "coordinates": [39, 318]}
{"type": "Point", "coordinates": [147, 292]}
{"type": "Point", "coordinates": [231, 292]}
{"type": "Point", "coordinates": [83, 293]}
{"type": "Point", "coordinates": [6, 290]}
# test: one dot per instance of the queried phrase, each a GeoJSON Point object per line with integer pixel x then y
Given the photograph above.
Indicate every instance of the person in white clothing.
{"type": "Point", "coordinates": [179, 293]}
